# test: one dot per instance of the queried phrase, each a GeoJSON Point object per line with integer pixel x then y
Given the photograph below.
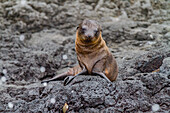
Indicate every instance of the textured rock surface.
{"type": "Point", "coordinates": [35, 34]}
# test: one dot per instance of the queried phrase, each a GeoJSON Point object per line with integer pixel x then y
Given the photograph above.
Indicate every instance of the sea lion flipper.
{"type": "Point", "coordinates": [102, 75]}
{"type": "Point", "coordinates": [63, 75]}
{"type": "Point", "coordinates": [68, 79]}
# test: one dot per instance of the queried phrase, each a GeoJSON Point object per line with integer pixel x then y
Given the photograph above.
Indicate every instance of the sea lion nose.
{"type": "Point", "coordinates": [89, 36]}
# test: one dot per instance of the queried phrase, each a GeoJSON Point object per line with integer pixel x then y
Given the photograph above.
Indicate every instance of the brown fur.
{"type": "Point", "coordinates": [92, 53]}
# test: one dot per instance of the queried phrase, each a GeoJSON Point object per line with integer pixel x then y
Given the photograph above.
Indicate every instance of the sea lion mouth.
{"type": "Point", "coordinates": [89, 38]}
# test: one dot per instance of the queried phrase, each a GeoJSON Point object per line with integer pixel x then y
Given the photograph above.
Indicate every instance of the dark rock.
{"type": "Point", "coordinates": [143, 36]}
{"type": "Point", "coordinates": [152, 65]}
{"type": "Point", "coordinates": [165, 67]}
{"type": "Point", "coordinates": [109, 101]}
{"type": "Point", "coordinates": [136, 32]}
{"type": "Point", "coordinates": [1, 107]}
{"type": "Point", "coordinates": [167, 35]}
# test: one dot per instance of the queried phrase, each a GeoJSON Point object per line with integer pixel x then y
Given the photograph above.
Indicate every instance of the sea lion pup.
{"type": "Point", "coordinates": [93, 55]}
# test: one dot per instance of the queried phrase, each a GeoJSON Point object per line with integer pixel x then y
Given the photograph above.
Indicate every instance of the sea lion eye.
{"type": "Point", "coordinates": [96, 32]}
{"type": "Point", "coordinates": [77, 27]}
{"type": "Point", "coordinates": [83, 30]}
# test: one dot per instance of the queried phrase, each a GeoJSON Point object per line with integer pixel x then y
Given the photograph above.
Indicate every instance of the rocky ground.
{"type": "Point", "coordinates": [37, 42]}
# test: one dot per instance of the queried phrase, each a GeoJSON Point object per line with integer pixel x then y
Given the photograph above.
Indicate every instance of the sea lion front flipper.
{"type": "Point", "coordinates": [102, 75]}
{"type": "Point", "coordinates": [62, 75]}
{"type": "Point", "coordinates": [68, 79]}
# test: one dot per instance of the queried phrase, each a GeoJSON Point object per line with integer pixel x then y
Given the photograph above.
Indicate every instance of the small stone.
{"type": "Point", "coordinates": [64, 57]}
{"type": "Point", "coordinates": [3, 79]}
{"type": "Point", "coordinates": [151, 36]}
{"type": "Point", "coordinates": [109, 101]}
{"type": "Point", "coordinates": [115, 19]}
{"type": "Point", "coordinates": [10, 105]}
{"type": "Point", "coordinates": [42, 69]}
{"type": "Point", "coordinates": [45, 83]}
{"type": "Point", "coordinates": [155, 107]}
{"type": "Point", "coordinates": [23, 2]}
{"type": "Point", "coordinates": [22, 37]}
{"type": "Point", "coordinates": [52, 100]}
{"type": "Point", "coordinates": [167, 35]}
{"type": "Point", "coordinates": [150, 43]}
{"type": "Point", "coordinates": [165, 67]}
{"type": "Point", "coordinates": [4, 71]}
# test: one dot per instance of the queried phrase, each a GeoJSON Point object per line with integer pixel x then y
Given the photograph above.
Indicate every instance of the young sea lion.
{"type": "Point", "coordinates": [93, 55]}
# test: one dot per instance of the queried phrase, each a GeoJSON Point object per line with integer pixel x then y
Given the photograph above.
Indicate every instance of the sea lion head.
{"type": "Point", "coordinates": [89, 31]}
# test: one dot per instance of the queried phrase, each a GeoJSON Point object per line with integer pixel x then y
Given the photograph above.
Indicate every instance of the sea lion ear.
{"type": "Point", "coordinates": [100, 28]}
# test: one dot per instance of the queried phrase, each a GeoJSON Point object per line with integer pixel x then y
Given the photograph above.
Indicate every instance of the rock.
{"type": "Point", "coordinates": [2, 107]}
{"type": "Point", "coordinates": [152, 65]}
{"type": "Point", "coordinates": [141, 36]}
{"type": "Point", "coordinates": [35, 34]}
{"type": "Point", "coordinates": [165, 67]}
{"type": "Point", "coordinates": [109, 101]}
{"type": "Point", "coordinates": [167, 36]}
{"type": "Point", "coordinates": [88, 96]}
